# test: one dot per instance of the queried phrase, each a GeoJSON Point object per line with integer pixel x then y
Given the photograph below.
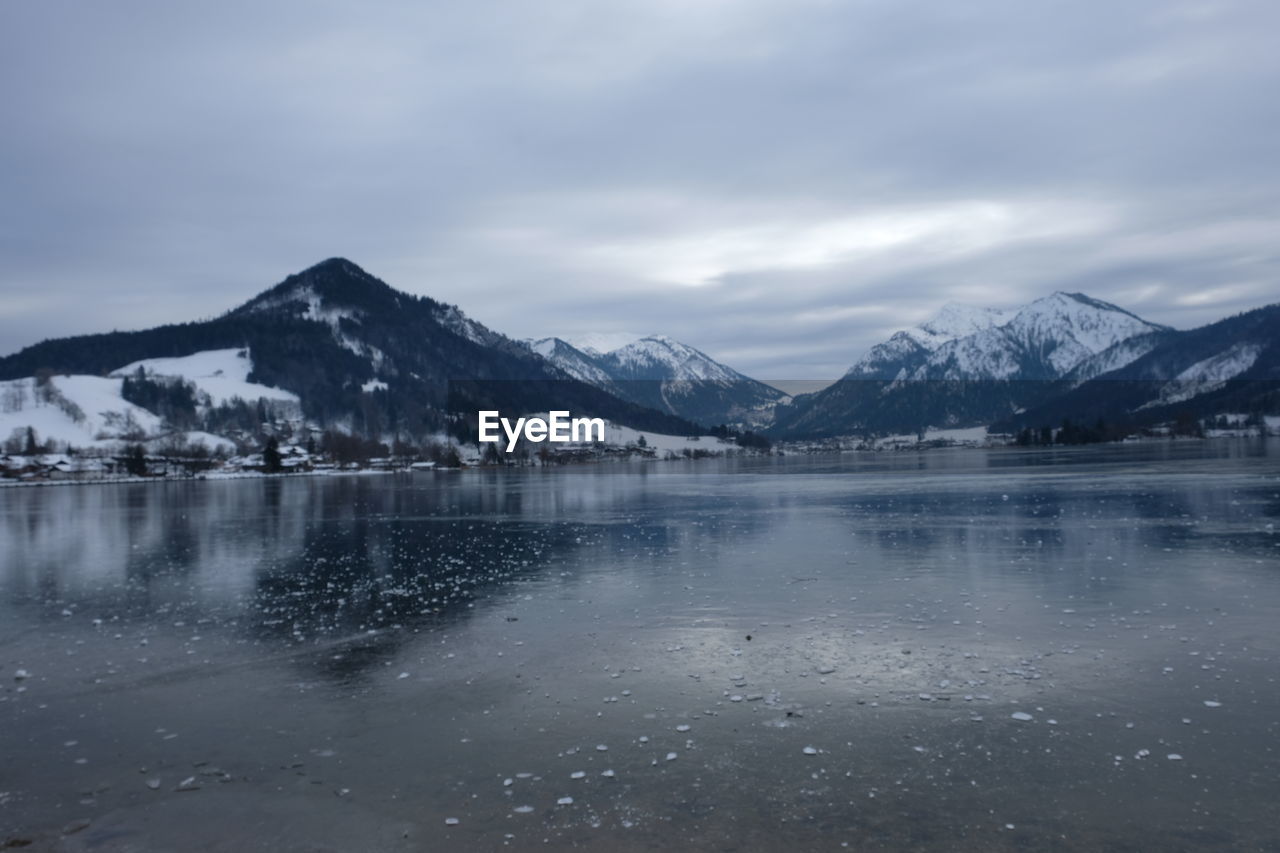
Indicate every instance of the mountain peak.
{"type": "Point", "coordinates": [1101, 305]}
{"type": "Point", "coordinates": [661, 340]}
{"type": "Point", "coordinates": [663, 373]}
{"type": "Point", "coordinates": [1043, 339]}
{"type": "Point", "coordinates": [600, 343]}
{"type": "Point", "coordinates": [335, 265]}
{"type": "Point", "coordinates": [1080, 309]}
{"type": "Point", "coordinates": [547, 347]}
{"type": "Point", "coordinates": [339, 275]}
{"type": "Point", "coordinates": [333, 286]}
{"type": "Point", "coordinates": [955, 320]}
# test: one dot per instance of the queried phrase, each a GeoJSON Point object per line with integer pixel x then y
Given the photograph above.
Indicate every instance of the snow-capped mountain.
{"type": "Point", "coordinates": [1232, 366]}
{"type": "Point", "coordinates": [662, 373]}
{"type": "Point", "coordinates": [909, 349]}
{"type": "Point", "coordinates": [332, 346]}
{"type": "Point", "coordinates": [335, 347]}
{"type": "Point", "coordinates": [1043, 340]}
{"type": "Point", "coordinates": [599, 343]}
{"type": "Point", "coordinates": [660, 357]}
{"type": "Point", "coordinates": [577, 363]}
{"type": "Point", "coordinates": [969, 366]}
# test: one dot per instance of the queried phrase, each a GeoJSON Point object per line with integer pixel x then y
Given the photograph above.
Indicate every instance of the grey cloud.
{"type": "Point", "coordinates": [732, 174]}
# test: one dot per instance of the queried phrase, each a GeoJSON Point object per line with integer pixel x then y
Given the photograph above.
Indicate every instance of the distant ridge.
{"type": "Point", "coordinates": [968, 367]}
{"type": "Point", "coordinates": [664, 374]}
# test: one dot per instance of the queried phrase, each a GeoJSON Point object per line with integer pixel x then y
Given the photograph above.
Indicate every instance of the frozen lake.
{"type": "Point", "coordinates": [958, 650]}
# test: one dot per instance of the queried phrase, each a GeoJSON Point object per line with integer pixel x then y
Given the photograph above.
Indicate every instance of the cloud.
{"type": "Point", "coordinates": [778, 183]}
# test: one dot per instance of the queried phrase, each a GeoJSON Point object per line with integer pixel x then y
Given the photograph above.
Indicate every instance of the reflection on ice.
{"type": "Point", "coordinates": [981, 650]}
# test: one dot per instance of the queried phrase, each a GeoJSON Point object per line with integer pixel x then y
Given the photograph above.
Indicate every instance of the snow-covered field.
{"type": "Point", "coordinates": [968, 435]}
{"type": "Point", "coordinates": [84, 411]}
{"type": "Point", "coordinates": [196, 436]}
{"type": "Point", "coordinates": [89, 411]}
{"type": "Point", "coordinates": [223, 374]}
{"type": "Point", "coordinates": [662, 444]}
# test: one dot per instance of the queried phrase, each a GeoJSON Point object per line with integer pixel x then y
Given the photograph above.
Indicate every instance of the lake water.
{"type": "Point", "coordinates": [801, 653]}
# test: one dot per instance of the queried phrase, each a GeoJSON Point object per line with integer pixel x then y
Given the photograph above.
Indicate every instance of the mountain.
{"type": "Point", "coordinates": [909, 350]}
{"type": "Point", "coordinates": [970, 366]}
{"type": "Point", "coordinates": [1119, 354]}
{"type": "Point", "coordinates": [1228, 367]}
{"type": "Point", "coordinates": [333, 345]}
{"type": "Point", "coordinates": [669, 376]}
{"type": "Point", "coordinates": [599, 343]}
{"type": "Point", "coordinates": [579, 364]}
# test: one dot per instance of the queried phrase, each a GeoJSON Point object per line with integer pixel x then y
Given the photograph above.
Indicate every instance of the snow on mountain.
{"type": "Point", "coordinates": [655, 357]}
{"type": "Point", "coordinates": [340, 349]}
{"type": "Point", "coordinates": [908, 349]}
{"type": "Point", "coordinates": [660, 357]}
{"type": "Point", "coordinates": [331, 347]}
{"type": "Point", "coordinates": [663, 373]}
{"type": "Point", "coordinates": [1208, 374]}
{"type": "Point", "coordinates": [969, 366]}
{"type": "Point", "coordinates": [599, 343]}
{"type": "Point", "coordinates": [956, 321]}
{"type": "Point", "coordinates": [452, 318]}
{"type": "Point", "coordinates": [309, 303]}
{"type": "Point", "coordinates": [79, 410]}
{"type": "Point", "coordinates": [1229, 366]}
{"type": "Point", "coordinates": [1225, 365]}
{"type": "Point", "coordinates": [578, 364]}
{"type": "Point", "coordinates": [90, 411]}
{"type": "Point", "coordinates": [893, 359]}
{"type": "Point", "coordinates": [1067, 328]}
{"type": "Point", "coordinates": [346, 298]}
{"type": "Point", "coordinates": [221, 374]}
{"type": "Point", "coordinates": [545, 347]}
{"type": "Point", "coordinates": [340, 318]}
{"type": "Point", "coordinates": [1043, 340]}
{"type": "Point", "coordinates": [1117, 355]}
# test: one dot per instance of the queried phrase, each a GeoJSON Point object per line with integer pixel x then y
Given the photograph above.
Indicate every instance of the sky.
{"type": "Point", "coordinates": [780, 183]}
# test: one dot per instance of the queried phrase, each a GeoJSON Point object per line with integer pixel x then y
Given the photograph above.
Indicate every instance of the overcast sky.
{"type": "Point", "coordinates": [780, 183]}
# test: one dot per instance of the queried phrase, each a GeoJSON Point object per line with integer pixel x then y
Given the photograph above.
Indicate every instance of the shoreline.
{"type": "Point", "coordinates": [363, 472]}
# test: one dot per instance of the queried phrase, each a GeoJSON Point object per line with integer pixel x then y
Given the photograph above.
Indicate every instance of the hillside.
{"type": "Point", "coordinates": [341, 347]}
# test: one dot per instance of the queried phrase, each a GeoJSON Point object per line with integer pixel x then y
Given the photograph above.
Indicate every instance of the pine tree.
{"type": "Point", "coordinates": [135, 460]}
{"type": "Point", "coordinates": [271, 456]}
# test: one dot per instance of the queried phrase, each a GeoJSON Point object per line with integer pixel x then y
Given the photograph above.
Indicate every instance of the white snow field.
{"type": "Point", "coordinates": [661, 444]}
{"type": "Point", "coordinates": [223, 374]}
{"type": "Point", "coordinates": [80, 410]}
